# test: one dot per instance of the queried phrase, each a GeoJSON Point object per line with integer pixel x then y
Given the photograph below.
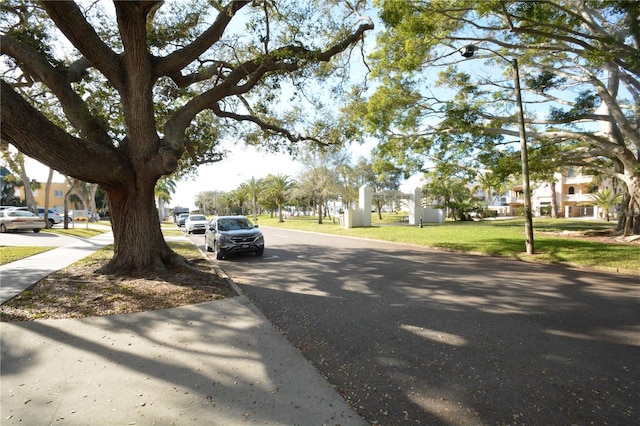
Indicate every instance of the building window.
{"type": "Point", "coordinates": [572, 190]}
{"type": "Point", "coordinates": [58, 193]}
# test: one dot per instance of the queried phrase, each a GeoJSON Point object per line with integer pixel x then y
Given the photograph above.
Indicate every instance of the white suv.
{"type": "Point", "coordinates": [196, 223]}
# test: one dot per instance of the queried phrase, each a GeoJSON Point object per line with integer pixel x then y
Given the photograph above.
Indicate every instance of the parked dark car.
{"type": "Point", "coordinates": [227, 235]}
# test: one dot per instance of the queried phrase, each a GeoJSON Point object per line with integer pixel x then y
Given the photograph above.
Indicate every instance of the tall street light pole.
{"type": "Point", "coordinates": [524, 156]}
{"type": "Point", "coordinates": [468, 52]}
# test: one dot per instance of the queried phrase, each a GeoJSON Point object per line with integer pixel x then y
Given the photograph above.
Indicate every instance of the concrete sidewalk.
{"type": "Point", "coordinates": [219, 363]}
{"type": "Point", "coordinates": [18, 276]}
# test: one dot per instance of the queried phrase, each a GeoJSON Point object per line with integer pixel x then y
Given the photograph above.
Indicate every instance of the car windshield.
{"type": "Point", "coordinates": [234, 224]}
{"type": "Point", "coordinates": [199, 217]}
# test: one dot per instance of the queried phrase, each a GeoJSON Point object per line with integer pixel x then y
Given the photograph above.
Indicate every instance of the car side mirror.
{"type": "Point", "coordinates": [255, 226]}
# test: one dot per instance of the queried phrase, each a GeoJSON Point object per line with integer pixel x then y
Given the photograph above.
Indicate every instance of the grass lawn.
{"type": "Point", "coordinates": [78, 231]}
{"type": "Point", "coordinates": [11, 254]}
{"type": "Point", "coordinates": [556, 240]}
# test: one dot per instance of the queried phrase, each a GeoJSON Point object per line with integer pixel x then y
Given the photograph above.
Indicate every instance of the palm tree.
{"type": "Point", "coordinates": [239, 196]}
{"type": "Point", "coordinates": [165, 187]}
{"type": "Point", "coordinates": [276, 188]}
{"type": "Point", "coordinates": [606, 199]}
{"type": "Point", "coordinates": [254, 186]}
{"type": "Point", "coordinates": [226, 202]}
{"type": "Point", "coordinates": [487, 185]}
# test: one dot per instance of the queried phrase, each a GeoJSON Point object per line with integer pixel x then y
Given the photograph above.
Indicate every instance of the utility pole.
{"type": "Point", "coordinates": [468, 51]}
{"type": "Point", "coordinates": [524, 157]}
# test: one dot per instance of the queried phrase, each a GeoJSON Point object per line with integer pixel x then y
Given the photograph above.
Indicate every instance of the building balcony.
{"type": "Point", "coordinates": [577, 180]}
{"type": "Point", "coordinates": [578, 198]}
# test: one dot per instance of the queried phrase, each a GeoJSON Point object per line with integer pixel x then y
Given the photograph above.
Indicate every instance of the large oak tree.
{"type": "Point", "coordinates": [149, 87]}
{"type": "Point", "coordinates": [447, 93]}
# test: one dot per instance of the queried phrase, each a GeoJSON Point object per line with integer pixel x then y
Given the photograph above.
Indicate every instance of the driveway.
{"type": "Point", "coordinates": [415, 336]}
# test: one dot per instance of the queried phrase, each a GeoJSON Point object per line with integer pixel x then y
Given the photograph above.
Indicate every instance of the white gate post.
{"type": "Point", "coordinates": [364, 204]}
{"type": "Point", "coordinates": [415, 207]}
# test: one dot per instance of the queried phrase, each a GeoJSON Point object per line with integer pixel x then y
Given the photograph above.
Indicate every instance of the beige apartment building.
{"type": "Point", "coordinates": [56, 195]}
{"type": "Point", "coordinates": [572, 192]}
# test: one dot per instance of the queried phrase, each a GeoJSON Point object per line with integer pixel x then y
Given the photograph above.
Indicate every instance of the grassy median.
{"type": "Point", "coordinates": [563, 241]}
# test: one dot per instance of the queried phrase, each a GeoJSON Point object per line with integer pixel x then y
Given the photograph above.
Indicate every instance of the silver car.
{"type": "Point", "coordinates": [233, 234]}
{"type": "Point", "coordinates": [54, 216]}
{"type": "Point", "coordinates": [13, 220]}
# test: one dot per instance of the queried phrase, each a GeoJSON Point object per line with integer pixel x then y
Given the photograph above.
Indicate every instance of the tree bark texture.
{"type": "Point", "coordinates": [139, 245]}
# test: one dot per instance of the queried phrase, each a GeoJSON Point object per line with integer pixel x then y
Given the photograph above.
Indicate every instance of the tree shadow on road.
{"type": "Point", "coordinates": [444, 338]}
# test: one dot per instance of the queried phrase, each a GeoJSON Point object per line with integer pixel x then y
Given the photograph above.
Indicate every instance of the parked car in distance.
{"type": "Point", "coordinates": [181, 219]}
{"type": "Point", "coordinates": [195, 223]}
{"type": "Point", "coordinates": [13, 220]}
{"type": "Point", "coordinates": [233, 234]}
{"type": "Point", "coordinates": [54, 216]}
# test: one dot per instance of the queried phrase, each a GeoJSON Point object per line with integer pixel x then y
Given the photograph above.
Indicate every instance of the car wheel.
{"type": "Point", "coordinates": [3, 228]}
{"type": "Point", "coordinates": [36, 230]}
{"type": "Point", "coordinates": [218, 253]}
{"type": "Point", "coordinates": [259, 251]}
{"type": "Point", "coordinates": [51, 223]}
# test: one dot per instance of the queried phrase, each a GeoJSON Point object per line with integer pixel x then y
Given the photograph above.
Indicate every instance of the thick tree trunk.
{"type": "Point", "coordinates": [629, 218]}
{"type": "Point", "coordinates": [139, 246]}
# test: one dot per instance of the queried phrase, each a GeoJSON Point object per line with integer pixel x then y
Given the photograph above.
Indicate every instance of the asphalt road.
{"type": "Point", "coordinates": [414, 336]}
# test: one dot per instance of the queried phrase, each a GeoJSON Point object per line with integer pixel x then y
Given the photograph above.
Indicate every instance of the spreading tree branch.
{"type": "Point", "coordinates": [34, 135]}
{"type": "Point", "coordinates": [69, 19]}
{"type": "Point", "coordinates": [58, 82]}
